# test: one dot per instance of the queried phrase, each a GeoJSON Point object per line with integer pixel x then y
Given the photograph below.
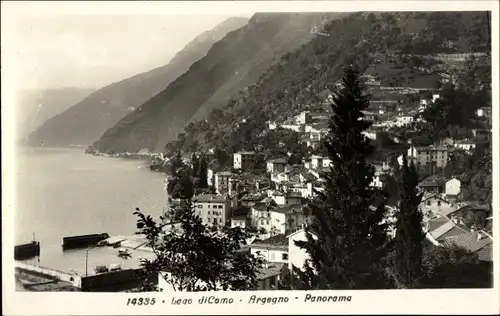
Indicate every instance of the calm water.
{"type": "Point", "coordinates": [64, 192]}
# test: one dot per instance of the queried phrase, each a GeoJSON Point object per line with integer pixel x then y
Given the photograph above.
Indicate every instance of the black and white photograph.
{"type": "Point", "coordinates": [249, 150]}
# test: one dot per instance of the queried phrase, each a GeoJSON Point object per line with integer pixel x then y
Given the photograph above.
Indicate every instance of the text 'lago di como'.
{"type": "Point", "coordinates": [261, 300]}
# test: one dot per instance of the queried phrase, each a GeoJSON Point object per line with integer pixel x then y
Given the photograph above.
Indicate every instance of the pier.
{"type": "Point", "coordinates": [26, 251]}
{"type": "Point", "coordinates": [83, 241]}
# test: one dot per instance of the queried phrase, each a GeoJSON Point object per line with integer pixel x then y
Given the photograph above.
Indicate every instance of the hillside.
{"type": "Point", "coordinates": [87, 120]}
{"type": "Point", "coordinates": [296, 81]}
{"type": "Point", "coordinates": [232, 63]}
{"type": "Point", "coordinates": [34, 107]}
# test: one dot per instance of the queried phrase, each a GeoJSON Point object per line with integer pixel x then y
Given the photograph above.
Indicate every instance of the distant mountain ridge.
{"type": "Point", "coordinates": [35, 107]}
{"type": "Point", "coordinates": [237, 60]}
{"type": "Point", "coordinates": [87, 120]}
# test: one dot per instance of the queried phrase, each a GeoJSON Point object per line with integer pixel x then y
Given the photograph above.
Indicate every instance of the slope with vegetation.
{"type": "Point", "coordinates": [87, 120]}
{"type": "Point", "coordinates": [293, 83]}
{"type": "Point", "coordinates": [235, 61]}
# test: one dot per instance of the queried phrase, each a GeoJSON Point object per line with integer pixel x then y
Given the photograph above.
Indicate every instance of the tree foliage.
{"type": "Point", "coordinates": [347, 217]}
{"type": "Point", "coordinates": [195, 257]}
{"type": "Point", "coordinates": [405, 260]}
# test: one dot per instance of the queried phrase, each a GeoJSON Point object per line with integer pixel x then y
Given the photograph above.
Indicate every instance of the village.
{"type": "Point", "coordinates": [269, 195]}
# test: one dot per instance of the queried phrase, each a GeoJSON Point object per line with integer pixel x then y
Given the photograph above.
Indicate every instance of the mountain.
{"type": "Point", "coordinates": [87, 120]}
{"type": "Point", "coordinates": [34, 107]}
{"type": "Point", "coordinates": [237, 60]}
{"type": "Point", "coordinates": [375, 42]}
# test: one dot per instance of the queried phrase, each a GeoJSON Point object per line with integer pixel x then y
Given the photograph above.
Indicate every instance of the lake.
{"type": "Point", "coordinates": [64, 192]}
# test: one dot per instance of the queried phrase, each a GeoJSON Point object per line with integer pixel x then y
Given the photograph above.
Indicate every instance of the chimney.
{"type": "Point", "coordinates": [479, 236]}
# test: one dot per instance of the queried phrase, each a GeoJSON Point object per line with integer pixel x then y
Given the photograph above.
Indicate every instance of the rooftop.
{"type": "Point", "coordinates": [245, 153]}
{"type": "Point", "coordinates": [274, 241]}
{"type": "Point", "coordinates": [207, 198]}
{"type": "Point", "coordinates": [277, 160]}
{"type": "Point", "coordinates": [292, 208]}
{"type": "Point", "coordinates": [443, 229]}
{"type": "Point", "coordinates": [446, 211]}
{"type": "Point", "coordinates": [469, 241]}
{"type": "Point", "coordinates": [273, 269]}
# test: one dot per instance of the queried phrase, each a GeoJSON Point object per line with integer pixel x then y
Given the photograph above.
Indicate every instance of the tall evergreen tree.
{"type": "Point", "coordinates": [203, 173]}
{"type": "Point", "coordinates": [348, 215]}
{"type": "Point", "coordinates": [195, 162]}
{"type": "Point", "coordinates": [406, 258]}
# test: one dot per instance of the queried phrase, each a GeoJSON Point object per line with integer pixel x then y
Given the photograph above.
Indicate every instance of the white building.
{"type": "Point", "coordinates": [403, 120]}
{"type": "Point", "coordinates": [302, 118]}
{"type": "Point", "coordinates": [452, 187]}
{"type": "Point", "coordinates": [293, 127]}
{"type": "Point", "coordinates": [239, 221]}
{"type": "Point", "coordinates": [276, 165]}
{"type": "Point", "coordinates": [223, 181]}
{"type": "Point", "coordinates": [378, 180]}
{"type": "Point", "coordinates": [432, 205]}
{"type": "Point", "coordinates": [369, 116]}
{"type": "Point", "coordinates": [212, 209]}
{"type": "Point", "coordinates": [272, 249]}
{"type": "Point", "coordinates": [427, 155]}
{"type": "Point", "coordinates": [320, 162]}
{"type": "Point", "coordinates": [483, 112]}
{"type": "Point", "coordinates": [296, 255]}
{"type": "Point", "coordinates": [210, 177]}
{"type": "Point", "coordinates": [244, 160]}
{"type": "Point", "coordinates": [465, 144]}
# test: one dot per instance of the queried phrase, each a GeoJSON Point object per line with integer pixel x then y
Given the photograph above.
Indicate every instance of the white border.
{"type": "Point", "coordinates": [369, 302]}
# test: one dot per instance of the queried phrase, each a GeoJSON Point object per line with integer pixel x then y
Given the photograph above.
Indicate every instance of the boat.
{"type": "Point", "coordinates": [123, 252]}
{"type": "Point", "coordinates": [114, 267]}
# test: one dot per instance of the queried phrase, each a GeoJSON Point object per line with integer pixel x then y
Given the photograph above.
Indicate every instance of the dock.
{"type": "Point", "coordinates": [83, 241]}
{"type": "Point", "coordinates": [26, 251]}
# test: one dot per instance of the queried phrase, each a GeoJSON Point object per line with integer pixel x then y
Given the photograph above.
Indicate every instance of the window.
{"type": "Point", "coordinates": [208, 212]}
{"type": "Point", "coordinates": [267, 221]}
{"type": "Point", "coordinates": [220, 206]}
{"type": "Point", "coordinates": [439, 203]}
{"type": "Point", "coordinates": [220, 219]}
{"type": "Point", "coordinates": [428, 203]}
{"type": "Point", "coordinates": [284, 256]}
{"type": "Point", "coordinates": [199, 206]}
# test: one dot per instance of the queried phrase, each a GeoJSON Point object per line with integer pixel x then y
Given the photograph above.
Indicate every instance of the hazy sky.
{"type": "Point", "coordinates": [94, 51]}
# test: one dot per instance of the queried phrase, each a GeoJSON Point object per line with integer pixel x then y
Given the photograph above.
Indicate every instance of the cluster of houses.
{"type": "Point", "coordinates": [273, 205]}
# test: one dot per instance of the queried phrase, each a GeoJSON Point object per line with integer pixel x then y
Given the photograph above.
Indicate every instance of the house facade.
{"type": "Point", "coordinates": [424, 156]}
{"type": "Point", "coordinates": [296, 255]}
{"type": "Point", "coordinates": [272, 249]}
{"type": "Point", "coordinates": [244, 160]}
{"type": "Point", "coordinates": [276, 165]}
{"type": "Point", "coordinates": [212, 209]}
{"type": "Point", "coordinates": [223, 181]}
{"type": "Point", "coordinates": [432, 204]}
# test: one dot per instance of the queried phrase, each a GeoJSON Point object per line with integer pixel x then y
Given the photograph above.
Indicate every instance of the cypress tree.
{"type": "Point", "coordinates": [347, 216]}
{"type": "Point", "coordinates": [195, 162]}
{"type": "Point", "coordinates": [406, 257]}
{"type": "Point", "coordinates": [203, 173]}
